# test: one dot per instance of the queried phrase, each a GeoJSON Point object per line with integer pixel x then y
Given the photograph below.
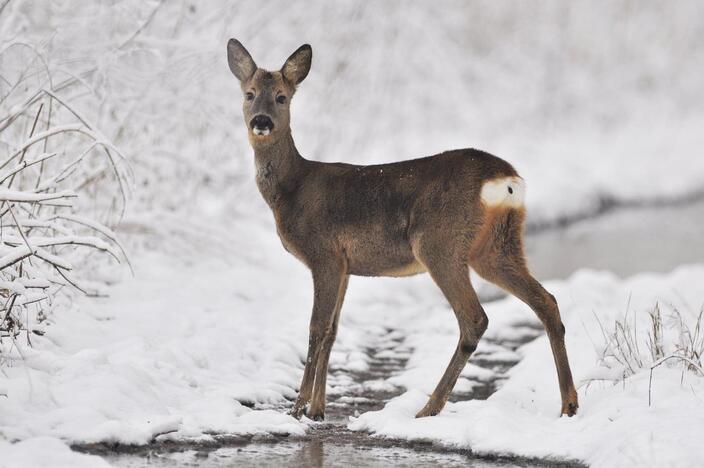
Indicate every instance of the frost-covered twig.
{"type": "Point", "coordinates": [691, 363]}
{"type": "Point", "coordinates": [104, 230]}
{"type": "Point", "coordinates": [23, 165]}
{"type": "Point", "coordinates": [16, 196]}
{"type": "Point", "coordinates": [142, 26]}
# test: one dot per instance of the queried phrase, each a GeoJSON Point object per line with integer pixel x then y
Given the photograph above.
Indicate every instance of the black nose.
{"type": "Point", "coordinates": [261, 122]}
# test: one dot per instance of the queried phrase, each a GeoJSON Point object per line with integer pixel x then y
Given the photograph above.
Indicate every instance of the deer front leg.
{"type": "Point", "coordinates": [317, 404]}
{"type": "Point", "coordinates": [451, 274]}
{"type": "Point", "coordinates": [306, 388]}
{"type": "Point", "coordinates": [329, 284]}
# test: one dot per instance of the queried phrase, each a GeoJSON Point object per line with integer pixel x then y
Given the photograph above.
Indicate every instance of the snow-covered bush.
{"type": "Point", "coordinates": [62, 184]}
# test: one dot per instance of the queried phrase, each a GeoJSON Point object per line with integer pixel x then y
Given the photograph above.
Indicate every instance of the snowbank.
{"type": "Point", "coordinates": [179, 351]}
{"type": "Point", "coordinates": [45, 452]}
{"type": "Point", "coordinates": [616, 426]}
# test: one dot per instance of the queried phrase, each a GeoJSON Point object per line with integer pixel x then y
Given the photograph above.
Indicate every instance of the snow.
{"type": "Point", "coordinates": [182, 350]}
{"type": "Point", "coordinates": [179, 352]}
{"type": "Point", "coordinates": [615, 426]}
{"type": "Point", "coordinates": [173, 351]}
{"type": "Point", "coordinates": [45, 452]}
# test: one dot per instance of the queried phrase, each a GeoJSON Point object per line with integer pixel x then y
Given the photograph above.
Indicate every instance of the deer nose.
{"type": "Point", "coordinates": [261, 124]}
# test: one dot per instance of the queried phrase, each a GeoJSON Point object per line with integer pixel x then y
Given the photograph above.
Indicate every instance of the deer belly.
{"type": "Point", "coordinates": [380, 257]}
{"type": "Point", "coordinates": [407, 269]}
{"type": "Point", "coordinates": [386, 268]}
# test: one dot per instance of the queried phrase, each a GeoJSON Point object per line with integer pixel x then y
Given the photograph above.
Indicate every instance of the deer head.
{"type": "Point", "coordinates": [267, 94]}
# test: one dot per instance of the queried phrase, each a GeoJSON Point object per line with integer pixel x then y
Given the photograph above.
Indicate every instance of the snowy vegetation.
{"type": "Point", "coordinates": [670, 337]}
{"type": "Point", "coordinates": [62, 183]}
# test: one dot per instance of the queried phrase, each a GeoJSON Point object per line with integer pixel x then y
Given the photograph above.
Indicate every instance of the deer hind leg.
{"type": "Point", "coordinates": [451, 273]}
{"type": "Point", "coordinates": [329, 284]}
{"type": "Point", "coordinates": [499, 258]}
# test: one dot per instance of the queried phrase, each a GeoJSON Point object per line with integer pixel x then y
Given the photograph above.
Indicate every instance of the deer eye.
{"type": "Point", "coordinates": [281, 99]}
{"type": "Point", "coordinates": [249, 96]}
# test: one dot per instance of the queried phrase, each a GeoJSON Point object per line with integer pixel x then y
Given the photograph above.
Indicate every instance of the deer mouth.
{"type": "Point", "coordinates": [261, 125]}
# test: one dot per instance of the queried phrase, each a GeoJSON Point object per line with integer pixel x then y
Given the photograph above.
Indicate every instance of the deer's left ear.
{"type": "Point", "coordinates": [297, 65]}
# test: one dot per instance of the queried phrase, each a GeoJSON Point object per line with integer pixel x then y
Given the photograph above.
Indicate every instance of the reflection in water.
{"type": "Point", "coordinates": [310, 454]}
{"type": "Point", "coordinates": [315, 453]}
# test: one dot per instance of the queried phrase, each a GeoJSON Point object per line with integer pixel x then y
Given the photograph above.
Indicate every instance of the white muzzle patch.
{"type": "Point", "coordinates": [505, 191]}
{"type": "Point", "coordinates": [261, 131]}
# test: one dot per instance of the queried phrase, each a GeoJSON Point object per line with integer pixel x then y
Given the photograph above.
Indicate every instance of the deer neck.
{"type": "Point", "coordinates": [279, 167]}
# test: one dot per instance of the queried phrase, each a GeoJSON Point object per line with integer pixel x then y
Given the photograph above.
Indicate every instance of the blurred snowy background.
{"type": "Point", "coordinates": [597, 104]}
{"type": "Point", "coordinates": [594, 103]}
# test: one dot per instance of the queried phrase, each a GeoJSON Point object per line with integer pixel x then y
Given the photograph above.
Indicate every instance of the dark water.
{"type": "Point", "coordinates": [623, 241]}
{"type": "Point", "coordinates": [310, 454]}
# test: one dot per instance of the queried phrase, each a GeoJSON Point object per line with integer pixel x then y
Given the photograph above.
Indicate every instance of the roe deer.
{"type": "Point", "coordinates": [440, 214]}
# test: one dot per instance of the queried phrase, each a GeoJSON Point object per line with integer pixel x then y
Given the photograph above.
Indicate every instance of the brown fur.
{"type": "Point", "coordinates": [388, 220]}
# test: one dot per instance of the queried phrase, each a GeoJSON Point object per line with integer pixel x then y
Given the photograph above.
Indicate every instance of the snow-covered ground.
{"type": "Point", "coordinates": [177, 351]}
{"type": "Point", "coordinates": [46, 452]}
{"type": "Point", "coordinates": [631, 422]}
{"type": "Point", "coordinates": [173, 350]}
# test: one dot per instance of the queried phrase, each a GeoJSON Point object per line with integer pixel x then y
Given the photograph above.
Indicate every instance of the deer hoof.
{"type": "Point", "coordinates": [316, 415]}
{"type": "Point", "coordinates": [570, 408]}
{"type": "Point", "coordinates": [427, 411]}
{"type": "Point", "coordinates": [297, 411]}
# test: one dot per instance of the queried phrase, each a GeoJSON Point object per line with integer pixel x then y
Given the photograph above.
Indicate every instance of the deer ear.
{"type": "Point", "coordinates": [297, 65]}
{"type": "Point", "coordinates": [241, 63]}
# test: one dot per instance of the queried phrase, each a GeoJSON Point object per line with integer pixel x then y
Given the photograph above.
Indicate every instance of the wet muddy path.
{"type": "Point", "coordinates": [330, 443]}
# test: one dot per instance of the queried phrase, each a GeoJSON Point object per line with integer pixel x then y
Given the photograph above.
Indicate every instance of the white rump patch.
{"type": "Point", "coordinates": [506, 191]}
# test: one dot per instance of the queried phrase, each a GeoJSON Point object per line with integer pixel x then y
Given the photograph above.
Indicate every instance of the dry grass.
{"type": "Point", "coordinates": [669, 339]}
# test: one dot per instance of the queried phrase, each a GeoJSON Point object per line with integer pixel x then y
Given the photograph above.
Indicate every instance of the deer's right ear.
{"type": "Point", "coordinates": [241, 63]}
